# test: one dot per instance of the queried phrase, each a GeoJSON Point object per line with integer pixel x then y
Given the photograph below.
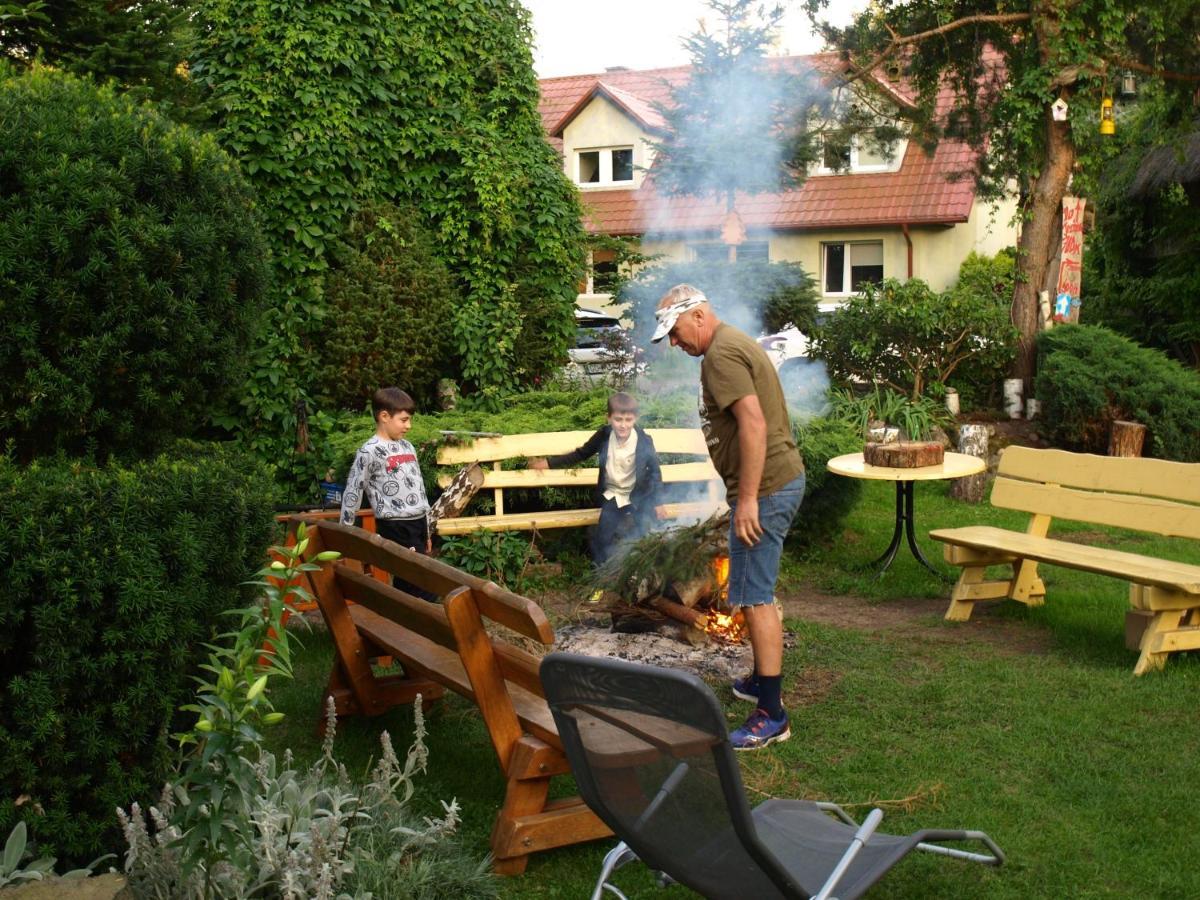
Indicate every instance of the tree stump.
{"type": "Point", "coordinates": [904, 454]}
{"type": "Point", "coordinates": [454, 499]}
{"type": "Point", "coordinates": [1126, 438]}
{"type": "Point", "coordinates": [973, 441]}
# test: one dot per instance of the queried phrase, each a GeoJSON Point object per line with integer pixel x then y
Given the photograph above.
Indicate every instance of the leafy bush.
{"type": "Point", "coordinates": [429, 104]}
{"type": "Point", "coordinates": [131, 267]}
{"type": "Point", "coordinates": [499, 556]}
{"type": "Point", "coordinates": [754, 296]}
{"type": "Point", "coordinates": [114, 578]}
{"type": "Point", "coordinates": [827, 497]}
{"type": "Point", "coordinates": [907, 336]}
{"type": "Point", "coordinates": [1089, 376]}
{"type": "Point", "coordinates": [391, 301]}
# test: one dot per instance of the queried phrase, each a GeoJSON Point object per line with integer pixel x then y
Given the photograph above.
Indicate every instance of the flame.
{"type": "Point", "coordinates": [720, 568]}
{"type": "Point", "coordinates": [729, 628]}
{"type": "Point", "coordinates": [723, 626]}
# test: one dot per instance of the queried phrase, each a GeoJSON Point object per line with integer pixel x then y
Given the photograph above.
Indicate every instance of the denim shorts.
{"type": "Point", "coordinates": [754, 569]}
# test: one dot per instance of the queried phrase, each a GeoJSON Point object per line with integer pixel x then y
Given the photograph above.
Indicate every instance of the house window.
{"type": "Point", "coordinates": [601, 273]}
{"type": "Point", "coordinates": [610, 165]}
{"type": "Point", "coordinates": [848, 267]}
{"type": "Point", "coordinates": [859, 155]}
{"type": "Point", "coordinates": [750, 251]}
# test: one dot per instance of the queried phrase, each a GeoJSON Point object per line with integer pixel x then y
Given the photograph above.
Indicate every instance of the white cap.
{"type": "Point", "coordinates": [669, 315]}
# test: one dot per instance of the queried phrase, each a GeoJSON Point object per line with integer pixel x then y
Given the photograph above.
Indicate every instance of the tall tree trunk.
{"type": "Point", "coordinates": [1039, 242]}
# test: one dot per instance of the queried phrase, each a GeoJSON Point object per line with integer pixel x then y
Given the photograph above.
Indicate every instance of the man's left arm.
{"type": "Point", "coordinates": [752, 450]}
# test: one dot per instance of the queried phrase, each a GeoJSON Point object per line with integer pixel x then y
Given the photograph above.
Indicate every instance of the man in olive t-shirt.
{"type": "Point", "coordinates": [749, 435]}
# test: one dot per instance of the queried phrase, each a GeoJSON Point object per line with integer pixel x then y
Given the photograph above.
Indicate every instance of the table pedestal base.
{"type": "Point", "coordinates": [904, 528]}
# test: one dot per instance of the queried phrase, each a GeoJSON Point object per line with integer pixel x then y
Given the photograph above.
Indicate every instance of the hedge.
{"type": "Point", "coordinates": [132, 271]}
{"type": "Point", "coordinates": [115, 578]}
{"type": "Point", "coordinates": [1089, 376]}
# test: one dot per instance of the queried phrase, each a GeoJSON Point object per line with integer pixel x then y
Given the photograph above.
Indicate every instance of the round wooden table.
{"type": "Point", "coordinates": [955, 465]}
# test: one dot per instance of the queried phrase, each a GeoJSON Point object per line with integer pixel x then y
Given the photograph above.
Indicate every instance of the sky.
{"type": "Point", "coordinates": [574, 37]}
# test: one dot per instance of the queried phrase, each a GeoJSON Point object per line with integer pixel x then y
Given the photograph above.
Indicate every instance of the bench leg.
{"type": "Point", "coordinates": [527, 822]}
{"type": "Point", "coordinates": [969, 589]}
{"type": "Point", "coordinates": [1027, 587]}
{"type": "Point", "coordinates": [1155, 639]}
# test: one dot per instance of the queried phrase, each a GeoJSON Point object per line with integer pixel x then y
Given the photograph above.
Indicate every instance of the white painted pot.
{"type": "Point", "coordinates": [952, 401]}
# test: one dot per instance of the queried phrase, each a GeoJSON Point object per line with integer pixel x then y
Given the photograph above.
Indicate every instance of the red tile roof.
{"type": "Point", "coordinates": [925, 190]}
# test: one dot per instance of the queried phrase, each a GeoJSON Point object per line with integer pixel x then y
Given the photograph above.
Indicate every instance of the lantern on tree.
{"type": "Point", "coordinates": [1108, 125]}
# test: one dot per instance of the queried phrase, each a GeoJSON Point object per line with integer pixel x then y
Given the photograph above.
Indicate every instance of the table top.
{"type": "Point", "coordinates": [955, 465]}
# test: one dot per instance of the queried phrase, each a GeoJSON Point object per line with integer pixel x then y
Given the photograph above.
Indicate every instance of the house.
{"type": "Point", "coordinates": [874, 216]}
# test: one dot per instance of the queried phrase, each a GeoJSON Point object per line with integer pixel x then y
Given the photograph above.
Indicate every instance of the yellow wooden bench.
{"type": "Point", "coordinates": [492, 451]}
{"type": "Point", "coordinates": [1151, 495]}
{"type": "Point", "coordinates": [446, 645]}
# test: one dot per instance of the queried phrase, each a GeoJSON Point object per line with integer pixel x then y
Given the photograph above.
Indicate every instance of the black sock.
{"type": "Point", "coordinates": [769, 689]}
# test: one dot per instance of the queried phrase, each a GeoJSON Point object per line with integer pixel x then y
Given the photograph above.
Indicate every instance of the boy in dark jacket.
{"type": "Point", "coordinates": [630, 483]}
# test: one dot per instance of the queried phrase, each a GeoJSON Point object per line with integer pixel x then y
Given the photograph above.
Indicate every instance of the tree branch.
{"type": "Point", "coordinates": [1165, 74]}
{"type": "Point", "coordinates": [899, 41]}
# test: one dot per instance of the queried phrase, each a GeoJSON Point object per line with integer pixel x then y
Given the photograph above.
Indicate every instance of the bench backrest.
{"type": "Point", "coordinates": [455, 623]}
{"type": "Point", "coordinates": [1154, 495]}
{"type": "Point", "coordinates": [494, 450]}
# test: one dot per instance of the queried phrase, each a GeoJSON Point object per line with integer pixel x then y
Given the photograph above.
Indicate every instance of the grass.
{"type": "Point", "coordinates": [1082, 773]}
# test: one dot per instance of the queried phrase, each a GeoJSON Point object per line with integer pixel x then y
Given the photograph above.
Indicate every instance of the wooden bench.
{"type": "Point", "coordinates": [1151, 495]}
{"type": "Point", "coordinates": [445, 645]}
{"type": "Point", "coordinates": [494, 450]}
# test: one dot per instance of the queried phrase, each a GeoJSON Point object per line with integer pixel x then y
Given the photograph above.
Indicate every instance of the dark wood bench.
{"type": "Point", "coordinates": [445, 645]}
{"type": "Point", "coordinates": [1151, 495]}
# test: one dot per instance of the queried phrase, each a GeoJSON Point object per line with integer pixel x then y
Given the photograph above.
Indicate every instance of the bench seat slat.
{"type": "Point", "coordinates": [422, 656]}
{"type": "Point", "coordinates": [554, 443]}
{"type": "Point", "coordinates": [562, 518]}
{"type": "Point", "coordinates": [1132, 567]}
{"type": "Point", "coordinates": [672, 473]}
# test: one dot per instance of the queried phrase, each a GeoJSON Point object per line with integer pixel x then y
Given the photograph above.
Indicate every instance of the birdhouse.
{"type": "Point", "coordinates": [1108, 125]}
{"type": "Point", "coordinates": [1058, 109]}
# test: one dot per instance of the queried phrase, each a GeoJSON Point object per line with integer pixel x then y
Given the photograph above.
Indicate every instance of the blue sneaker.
{"type": "Point", "coordinates": [760, 730]}
{"type": "Point", "coordinates": [746, 688]}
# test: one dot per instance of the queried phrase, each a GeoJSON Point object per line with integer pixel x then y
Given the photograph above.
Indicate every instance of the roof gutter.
{"type": "Point", "coordinates": [907, 240]}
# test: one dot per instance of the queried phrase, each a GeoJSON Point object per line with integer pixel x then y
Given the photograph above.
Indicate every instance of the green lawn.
{"type": "Point", "coordinates": [1083, 774]}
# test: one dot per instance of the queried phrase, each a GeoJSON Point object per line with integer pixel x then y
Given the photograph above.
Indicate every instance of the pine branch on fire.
{"type": "Point", "coordinates": [671, 556]}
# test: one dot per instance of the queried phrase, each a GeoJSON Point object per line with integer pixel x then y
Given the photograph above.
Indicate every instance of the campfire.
{"type": "Point", "coordinates": [676, 581]}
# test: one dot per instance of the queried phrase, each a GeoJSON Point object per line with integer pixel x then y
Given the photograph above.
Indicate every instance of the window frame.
{"type": "Point", "coordinates": [855, 168]}
{"type": "Point", "coordinates": [847, 268]}
{"type": "Point", "coordinates": [701, 249]}
{"type": "Point", "coordinates": [604, 168]}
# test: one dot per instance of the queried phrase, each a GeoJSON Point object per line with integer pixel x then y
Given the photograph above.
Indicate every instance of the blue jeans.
{"type": "Point", "coordinates": [753, 569]}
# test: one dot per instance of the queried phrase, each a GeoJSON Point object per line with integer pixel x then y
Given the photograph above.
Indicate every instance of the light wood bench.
{"type": "Point", "coordinates": [1151, 495]}
{"type": "Point", "coordinates": [445, 645]}
{"type": "Point", "coordinates": [494, 450]}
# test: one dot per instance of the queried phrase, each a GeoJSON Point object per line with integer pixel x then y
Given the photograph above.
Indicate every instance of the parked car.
{"type": "Point", "coordinates": [597, 335]}
{"type": "Point", "coordinates": [785, 345]}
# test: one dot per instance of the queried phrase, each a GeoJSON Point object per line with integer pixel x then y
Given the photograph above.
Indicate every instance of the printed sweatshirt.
{"type": "Point", "coordinates": [389, 473]}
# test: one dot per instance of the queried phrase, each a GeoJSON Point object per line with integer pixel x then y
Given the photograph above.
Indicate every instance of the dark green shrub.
{"type": "Point", "coordinates": [908, 337]}
{"type": "Point", "coordinates": [1088, 376]}
{"type": "Point", "coordinates": [114, 578]}
{"type": "Point", "coordinates": [390, 304]}
{"type": "Point", "coordinates": [754, 296]}
{"type": "Point", "coordinates": [827, 497]}
{"type": "Point", "coordinates": [131, 267]}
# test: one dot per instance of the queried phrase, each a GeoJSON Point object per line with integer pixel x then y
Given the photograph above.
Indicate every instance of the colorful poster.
{"type": "Point", "coordinates": [1070, 269]}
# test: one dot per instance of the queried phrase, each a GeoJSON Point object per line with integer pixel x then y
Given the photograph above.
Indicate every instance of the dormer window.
{"type": "Point", "coordinates": [860, 154]}
{"type": "Point", "coordinates": [607, 165]}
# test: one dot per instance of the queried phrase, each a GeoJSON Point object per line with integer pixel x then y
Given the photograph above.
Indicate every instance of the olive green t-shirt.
{"type": "Point", "coordinates": [734, 366]}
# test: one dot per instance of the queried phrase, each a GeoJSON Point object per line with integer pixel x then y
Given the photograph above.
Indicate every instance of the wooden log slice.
{"type": "Point", "coordinates": [904, 454]}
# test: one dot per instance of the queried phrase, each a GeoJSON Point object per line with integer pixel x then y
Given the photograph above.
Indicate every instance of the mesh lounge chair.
{"type": "Point", "coordinates": [649, 750]}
